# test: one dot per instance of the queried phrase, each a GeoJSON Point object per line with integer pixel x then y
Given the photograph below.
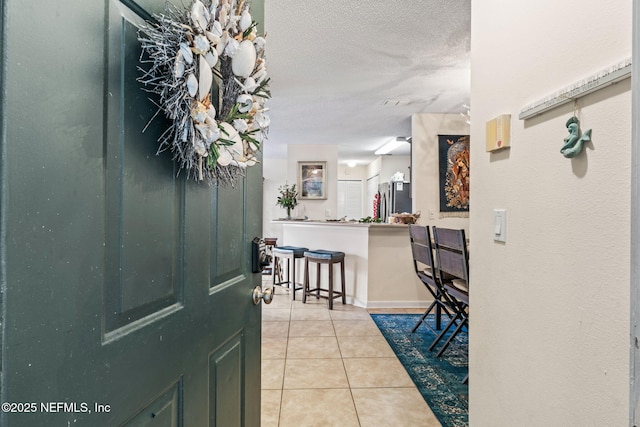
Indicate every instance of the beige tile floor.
{"type": "Point", "coordinates": [333, 368]}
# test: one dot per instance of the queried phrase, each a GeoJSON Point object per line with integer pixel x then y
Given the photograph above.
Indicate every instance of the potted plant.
{"type": "Point", "coordinates": [288, 198]}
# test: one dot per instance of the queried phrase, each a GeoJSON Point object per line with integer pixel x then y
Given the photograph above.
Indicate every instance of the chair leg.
{"type": "Point", "coordinates": [424, 316]}
{"type": "Point", "coordinates": [441, 308]}
{"type": "Point", "coordinates": [444, 331]}
{"type": "Point", "coordinates": [452, 336]}
{"type": "Point", "coordinates": [446, 311]}
{"type": "Point", "coordinates": [446, 303]}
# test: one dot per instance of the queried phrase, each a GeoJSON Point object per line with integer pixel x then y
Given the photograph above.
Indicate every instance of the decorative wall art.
{"type": "Point", "coordinates": [575, 141]}
{"type": "Point", "coordinates": [214, 135]}
{"type": "Point", "coordinates": [312, 180]}
{"type": "Point", "coordinates": [498, 134]}
{"type": "Point", "coordinates": [453, 154]}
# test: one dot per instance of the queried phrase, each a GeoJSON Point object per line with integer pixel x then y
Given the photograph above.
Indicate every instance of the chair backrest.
{"type": "Point", "coordinates": [451, 252]}
{"type": "Point", "coordinates": [421, 247]}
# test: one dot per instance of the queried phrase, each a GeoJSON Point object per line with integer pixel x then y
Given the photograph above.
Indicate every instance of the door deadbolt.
{"type": "Point", "coordinates": [259, 257]}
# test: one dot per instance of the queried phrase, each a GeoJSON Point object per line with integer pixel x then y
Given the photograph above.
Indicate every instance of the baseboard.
{"type": "Point", "coordinates": [397, 304]}
{"type": "Point", "coordinates": [356, 302]}
{"type": "Point", "coordinates": [387, 304]}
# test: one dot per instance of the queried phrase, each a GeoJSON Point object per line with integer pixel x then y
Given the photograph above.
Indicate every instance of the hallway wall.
{"type": "Point", "coordinates": [550, 324]}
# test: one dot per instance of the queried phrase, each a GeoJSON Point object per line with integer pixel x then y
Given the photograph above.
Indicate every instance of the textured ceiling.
{"type": "Point", "coordinates": [334, 63]}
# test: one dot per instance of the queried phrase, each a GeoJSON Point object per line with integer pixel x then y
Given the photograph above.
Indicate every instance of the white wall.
{"type": "Point", "coordinates": [316, 209]}
{"type": "Point", "coordinates": [374, 168]}
{"type": "Point", "coordinates": [277, 172]}
{"type": "Point", "coordinates": [386, 166]}
{"type": "Point", "coordinates": [425, 129]}
{"type": "Point", "coordinates": [549, 341]}
{"type": "Point", "coordinates": [391, 164]}
{"type": "Point", "coordinates": [274, 172]}
{"type": "Point", "coordinates": [356, 173]}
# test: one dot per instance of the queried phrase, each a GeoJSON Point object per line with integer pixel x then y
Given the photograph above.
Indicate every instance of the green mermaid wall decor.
{"type": "Point", "coordinates": [574, 142]}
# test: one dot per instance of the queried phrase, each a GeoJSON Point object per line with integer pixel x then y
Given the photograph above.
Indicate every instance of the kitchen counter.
{"type": "Point", "coordinates": [337, 222]}
{"type": "Point", "coordinates": [378, 263]}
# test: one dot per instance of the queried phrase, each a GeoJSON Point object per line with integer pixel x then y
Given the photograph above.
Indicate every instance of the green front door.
{"type": "Point", "coordinates": [126, 290]}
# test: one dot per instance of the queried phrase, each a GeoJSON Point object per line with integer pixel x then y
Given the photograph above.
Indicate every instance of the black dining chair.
{"type": "Point", "coordinates": [423, 263]}
{"type": "Point", "coordinates": [453, 260]}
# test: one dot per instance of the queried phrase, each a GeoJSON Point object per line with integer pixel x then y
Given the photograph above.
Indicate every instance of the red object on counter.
{"type": "Point", "coordinates": [376, 204]}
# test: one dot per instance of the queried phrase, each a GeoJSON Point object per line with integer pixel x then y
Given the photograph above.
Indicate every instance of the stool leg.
{"type": "Point", "coordinates": [280, 272]}
{"type": "Point", "coordinates": [318, 281]}
{"type": "Point", "coordinates": [330, 286]}
{"type": "Point", "coordinates": [305, 288]}
{"type": "Point", "coordinates": [288, 274]}
{"type": "Point", "coordinates": [293, 282]}
{"type": "Point", "coordinates": [275, 269]}
{"type": "Point", "coordinates": [344, 293]}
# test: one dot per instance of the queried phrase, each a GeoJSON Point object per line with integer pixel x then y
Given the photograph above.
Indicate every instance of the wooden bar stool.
{"type": "Point", "coordinates": [291, 254]}
{"type": "Point", "coordinates": [320, 257]}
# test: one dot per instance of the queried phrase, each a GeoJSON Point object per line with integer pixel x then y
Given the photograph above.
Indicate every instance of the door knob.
{"type": "Point", "coordinates": [266, 296]}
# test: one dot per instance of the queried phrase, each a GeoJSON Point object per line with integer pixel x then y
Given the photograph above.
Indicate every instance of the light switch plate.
{"type": "Point", "coordinates": [500, 225]}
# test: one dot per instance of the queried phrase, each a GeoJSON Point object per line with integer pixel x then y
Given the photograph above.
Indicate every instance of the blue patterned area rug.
{"type": "Point", "coordinates": [439, 379]}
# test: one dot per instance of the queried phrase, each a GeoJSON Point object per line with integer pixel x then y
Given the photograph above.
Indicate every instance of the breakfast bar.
{"type": "Point", "coordinates": [378, 262]}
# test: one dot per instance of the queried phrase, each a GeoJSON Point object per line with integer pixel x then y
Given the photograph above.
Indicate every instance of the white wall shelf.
{"type": "Point", "coordinates": [604, 78]}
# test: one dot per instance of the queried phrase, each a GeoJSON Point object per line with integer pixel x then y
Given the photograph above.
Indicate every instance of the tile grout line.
{"type": "Point", "coordinates": [291, 308]}
{"type": "Point", "coordinates": [353, 400]}
{"type": "Point", "coordinates": [285, 365]}
{"type": "Point", "coordinates": [286, 358]}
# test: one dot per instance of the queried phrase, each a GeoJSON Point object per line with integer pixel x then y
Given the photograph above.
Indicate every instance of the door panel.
{"type": "Point", "coordinates": [123, 285]}
{"type": "Point", "coordinates": [226, 372]}
{"type": "Point", "coordinates": [143, 248]}
{"type": "Point", "coordinates": [165, 411]}
{"type": "Point", "coordinates": [229, 236]}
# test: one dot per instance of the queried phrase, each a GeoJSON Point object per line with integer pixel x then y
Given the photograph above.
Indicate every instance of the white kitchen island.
{"type": "Point", "coordinates": [378, 263]}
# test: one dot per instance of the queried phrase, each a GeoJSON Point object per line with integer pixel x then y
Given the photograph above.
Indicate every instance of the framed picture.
{"type": "Point", "coordinates": [312, 180]}
{"type": "Point", "coordinates": [453, 153]}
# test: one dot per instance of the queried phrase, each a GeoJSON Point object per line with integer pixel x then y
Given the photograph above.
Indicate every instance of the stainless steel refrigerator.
{"type": "Point", "coordinates": [395, 197]}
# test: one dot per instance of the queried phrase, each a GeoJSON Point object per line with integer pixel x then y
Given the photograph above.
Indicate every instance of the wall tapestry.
{"type": "Point", "coordinates": [453, 153]}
